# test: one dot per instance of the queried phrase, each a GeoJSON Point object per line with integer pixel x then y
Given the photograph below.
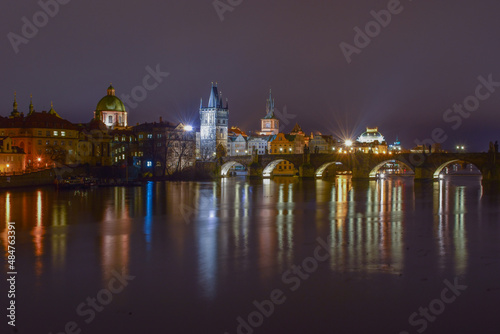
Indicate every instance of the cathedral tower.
{"type": "Point", "coordinates": [214, 121]}
{"type": "Point", "coordinates": [270, 125]}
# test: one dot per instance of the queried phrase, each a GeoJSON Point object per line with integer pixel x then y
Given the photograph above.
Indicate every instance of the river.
{"type": "Point", "coordinates": [257, 256]}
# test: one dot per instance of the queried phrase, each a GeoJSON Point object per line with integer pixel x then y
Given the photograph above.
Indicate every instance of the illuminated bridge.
{"type": "Point", "coordinates": [423, 166]}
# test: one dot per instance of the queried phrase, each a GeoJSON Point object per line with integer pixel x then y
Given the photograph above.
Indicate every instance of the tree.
{"type": "Point", "coordinates": [56, 154]}
{"type": "Point", "coordinates": [221, 151]}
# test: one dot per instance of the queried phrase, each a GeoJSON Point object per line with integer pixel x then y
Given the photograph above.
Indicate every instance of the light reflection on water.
{"type": "Point", "coordinates": [235, 226]}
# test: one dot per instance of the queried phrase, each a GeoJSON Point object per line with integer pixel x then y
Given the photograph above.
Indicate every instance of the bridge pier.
{"type": "Point", "coordinates": [255, 170]}
{"type": "Point", "coordinates": [307, 171]}
{"type": "Point", "coordinates": [422, 173]}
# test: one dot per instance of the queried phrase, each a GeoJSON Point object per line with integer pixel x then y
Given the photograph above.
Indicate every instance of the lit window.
{"type": "Point", "coordinates": [56, 133]}
{"type": "Point", "coordinates": [149, 163]}
{"type": "Point", "coordinates": [63, 133]}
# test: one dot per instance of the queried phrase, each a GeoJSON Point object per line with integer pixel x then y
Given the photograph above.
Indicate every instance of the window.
{"type": "Point", "coordinates": [150, 136]}
{"type": "Point", "coordinates": [63, 133]}
{"type": "Point", "coordinates": [62, 143]}
{"type": "Point", "coordinates": [158, 135]}
{"type": "Point", "coordinates": [47, 133]}
{"type": "Point", "coordinates": [47, 143]}
{"type": "Point", "coordinates": [56, 133]}
{"type": "Point", "coordinates": [39, 133]}
{"type": "Point", "coordinates": [55, 143]}
{"type": "Point", "coordinates": [110, 119]}
{"type": "Point", "coordinates": [39, 142]}
{"type": "Point", "coordinates": [141, 136]}
{"type": "Point", "coordinates": [149, 164]}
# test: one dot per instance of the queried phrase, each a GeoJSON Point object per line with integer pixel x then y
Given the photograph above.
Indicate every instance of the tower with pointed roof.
{"type": "Point", "coordinates": [270, 124]}
{"type": "Point", "coordinates": [15, 112]}
{"type": "Point", "coordinates": [32, 108]}
{"type": "Point", "coordinates": [214, 120]}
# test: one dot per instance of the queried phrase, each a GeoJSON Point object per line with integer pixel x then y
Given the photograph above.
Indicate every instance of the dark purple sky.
{"type": "Point", "coordinates": [427, 59]}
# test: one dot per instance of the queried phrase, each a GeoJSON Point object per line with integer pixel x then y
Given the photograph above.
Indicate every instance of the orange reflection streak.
{"type": "Point", "coordinates": [115, 229]}
{"type": "Point", "coordinates": [372, 241]}
{"type": "Point", "coordinates": [38, 233]}
{"type": "Point", "coordinates": [4, 234]}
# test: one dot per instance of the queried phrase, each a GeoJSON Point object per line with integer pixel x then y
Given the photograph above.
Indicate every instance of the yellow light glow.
{"type": "Point", "coordinates": [348, 142]}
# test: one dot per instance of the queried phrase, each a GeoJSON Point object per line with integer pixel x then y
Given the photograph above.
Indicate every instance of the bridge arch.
{"type": "Point", "coordinates": [438, 171]}
{"type": "Point", "coordinates": [225, 168]}
{"type": "Point", "coordinates": [268, 170]}
{"type": "Point", "coordinates": [319, 172]}
{"type": "Point", "coordinates": [376, 169]}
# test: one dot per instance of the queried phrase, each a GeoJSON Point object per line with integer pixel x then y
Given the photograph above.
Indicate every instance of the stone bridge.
{"type": "Point", "coordinates": [424, 166]}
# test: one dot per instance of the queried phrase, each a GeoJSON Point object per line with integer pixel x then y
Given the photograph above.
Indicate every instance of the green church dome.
{"type": "Point", "coordinates": [110, 102]}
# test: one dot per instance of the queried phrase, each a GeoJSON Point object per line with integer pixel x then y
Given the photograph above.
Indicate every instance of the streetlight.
{"type": "Point", "coordinates": [188, 128]}
{"type": "Point", "coordinates": [348, 143]}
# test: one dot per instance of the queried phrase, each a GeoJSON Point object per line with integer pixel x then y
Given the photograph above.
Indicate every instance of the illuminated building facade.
{"type": "Point", "coordinates": [12, 158]}
{"type": "Point", "coordinates": [322, 143]}
{"type": "Point", "coordinates": [45, 137]}
{"type": "Point", "coordinates": [237, 145]}
{"type": "Point", "coordinates": [370, 141]}
{"type": "Point", "coordinates": [214, 120]}
{"type": "Point", "coordinates": [111, 110]}
{"type": "Point", "coordinates": [258, 144]}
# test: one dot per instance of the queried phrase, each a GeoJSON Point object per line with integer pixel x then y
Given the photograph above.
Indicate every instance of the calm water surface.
{"type": "Point", "coordinates": [201, 254]}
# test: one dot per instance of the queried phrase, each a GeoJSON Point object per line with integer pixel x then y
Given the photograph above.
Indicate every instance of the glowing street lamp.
{"type": "Point", "coordinates": [348, 143]}
{"type": "Point", "coordinates": [188, 128]}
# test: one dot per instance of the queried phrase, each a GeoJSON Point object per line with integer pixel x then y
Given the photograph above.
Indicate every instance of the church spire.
{"type": "Point", "coordinates": [213, 101]}
{"type": "Point", "coordinates": [52, 111]}
{"type": "Point", "coordinates": [32, 108]}
{"type": "Point", "coordinates": [15, 103]}
{"type": "Point", "coordinates": [15, 112]}
{"type": "Point", "coordinates": [270, 105]}
{"type": "Point", "coordinates": [201, 103]}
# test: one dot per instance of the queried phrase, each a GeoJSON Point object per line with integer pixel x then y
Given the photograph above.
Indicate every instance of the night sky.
{"type": "Point", "coordinates": [427, 59]}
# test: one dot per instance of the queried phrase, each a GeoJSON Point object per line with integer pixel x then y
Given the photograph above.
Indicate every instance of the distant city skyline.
{"type": "Point", "coordinates": [417, 67]}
